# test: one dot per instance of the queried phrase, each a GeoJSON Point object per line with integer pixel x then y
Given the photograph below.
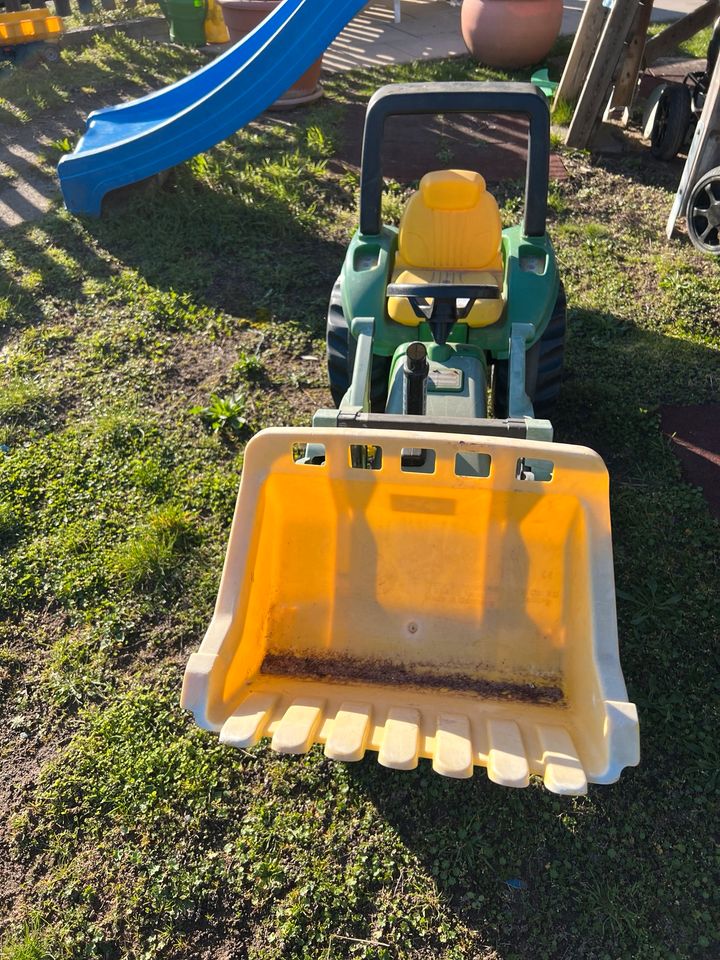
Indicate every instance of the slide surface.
{"type": "Point", "coordinates": [127, 143]}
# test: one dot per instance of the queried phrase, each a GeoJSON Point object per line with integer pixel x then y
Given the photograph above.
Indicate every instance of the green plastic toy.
{"type": "Point", "coordinates": [526, 273]}
{"type": "Point", "coordinates": [186, 19]}
{"type": "Point", "coordinates": [541, 79]}
{"type": "Point", "coordinates": [424, 573]}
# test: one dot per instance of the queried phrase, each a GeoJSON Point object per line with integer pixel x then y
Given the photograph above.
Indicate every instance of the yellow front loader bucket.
{"type": "Point", "coordinates": [409, 593]}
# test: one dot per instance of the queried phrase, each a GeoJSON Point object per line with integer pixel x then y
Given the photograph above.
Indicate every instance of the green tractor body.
{"type": "Point", "coordinates": [531, 288]}
{"type": "Point", "coordinates": [425, 572]}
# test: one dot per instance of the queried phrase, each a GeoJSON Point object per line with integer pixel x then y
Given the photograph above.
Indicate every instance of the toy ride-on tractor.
{"type": "Point", "coordinates": [29, 33]}
{"type": "Point", "coordinates": [424, 572]}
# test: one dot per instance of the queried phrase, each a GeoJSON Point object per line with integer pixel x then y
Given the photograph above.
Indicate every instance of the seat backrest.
{"type": "Point", "coordinates": [451, 223]}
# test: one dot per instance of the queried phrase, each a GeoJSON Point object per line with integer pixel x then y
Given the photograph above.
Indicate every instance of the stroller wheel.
{"type": "Point", "coordinates": [672, 119]}
{"type": "Point", "coordinates": [703, 213]}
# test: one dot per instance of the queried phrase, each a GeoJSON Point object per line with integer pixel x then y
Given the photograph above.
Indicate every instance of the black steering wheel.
{"type": "Point", "coordinates": [449, 302]}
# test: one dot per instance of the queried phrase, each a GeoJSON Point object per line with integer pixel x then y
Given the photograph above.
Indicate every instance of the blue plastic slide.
{"type": "Point", "coordinates": [127, 143]}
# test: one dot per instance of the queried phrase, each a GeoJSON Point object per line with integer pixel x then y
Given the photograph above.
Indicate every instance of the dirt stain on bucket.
{"type": "Point", "coordinates": [345, 669]}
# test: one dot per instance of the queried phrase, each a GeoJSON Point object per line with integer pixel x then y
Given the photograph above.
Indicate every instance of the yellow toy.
{"type": "Point", "coordinates": [29, 35]}
{"type": "Point", "coordinates": [215, 29]}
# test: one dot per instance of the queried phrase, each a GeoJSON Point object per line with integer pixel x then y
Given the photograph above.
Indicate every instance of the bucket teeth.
{"type": "Point", "coordinates": [507, 762]}
{"type": "Point", "coordinates": [247, 724]}
{"type": "Point", "coordinates": [453, 746]}
{"type": "Point", "coordinates": [563, 771]}
{"type": "Point", "coordinates": [406, 734]}
{"type": "Point", "coordinates": [349, 733]}
{"type": "Point", "coordinates": [296, 731]}
{"type": "Point", "coordinates": [400, 748]}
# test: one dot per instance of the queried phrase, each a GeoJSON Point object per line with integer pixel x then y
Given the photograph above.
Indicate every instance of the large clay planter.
{"type": "Point", "coordinates": [510, 33]}
{"type": "Point", "coordinates": [242, 16]}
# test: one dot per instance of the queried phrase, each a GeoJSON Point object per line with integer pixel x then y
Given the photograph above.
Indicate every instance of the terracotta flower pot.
{"type": "Point", "coordinates": [242, 16]}
{"type": "Point", "coordinates": [510, 33]}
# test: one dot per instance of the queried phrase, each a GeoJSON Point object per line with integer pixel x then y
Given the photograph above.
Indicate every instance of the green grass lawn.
{"type": "Point", "coordinates": [116, 65]}
{"type": "Point", "coordinates": [139, 353]}
{"type": "Point", "coordinates": [696, 46]}
{"type": "Point", "coordinates": [122, 13]}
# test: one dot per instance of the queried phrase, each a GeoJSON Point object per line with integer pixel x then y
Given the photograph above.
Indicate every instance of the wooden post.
{"type": "Point", "coordinates": [627, 78]}
{"type": "Point", "coordinates": [594, 93]}
{"type": "Point", "coordinates": [665, 42]}
{"type": "Point", "coordinates": [582, 51]}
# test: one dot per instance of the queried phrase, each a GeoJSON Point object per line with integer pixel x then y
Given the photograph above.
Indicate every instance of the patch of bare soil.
{"type": "Point", "coordinates": [196, 368]}
{"type": "Point", "coordinates": [694, 434]}
{"type": "Point", "coordinates": [496, 146]}
{"type": "Point", "coordinates": [24, 746]}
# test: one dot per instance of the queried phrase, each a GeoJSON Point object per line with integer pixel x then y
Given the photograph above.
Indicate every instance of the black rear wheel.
{"type": "Point", "coordinates": [51, 53]}
{"type": "Point", "coordinates": [703, 213]}
{"type": "Point", "coordinates": [341, 357]}
{"type": "Point", "coordinates": [672, 120]}
{"type": "Point", "coordinates": [543, 367]}
{"type": "Point", "coordinates": [336, 337]}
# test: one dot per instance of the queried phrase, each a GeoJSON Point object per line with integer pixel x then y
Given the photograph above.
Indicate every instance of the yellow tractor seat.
{"type": "Point", "coordinates": [450, 232]}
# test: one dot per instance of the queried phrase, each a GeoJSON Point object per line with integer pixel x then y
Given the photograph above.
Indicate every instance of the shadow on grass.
{"type": "Point", "coordinates": [235, 251]}
{"type": "Point", "coordinates": [638, 164]}
{"type": "Point", "coordinates": [51, 258]}
{"type": "Point", "coordinates": [25, 94]}
{"type": "Point", "coordinates": [627, 871]}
